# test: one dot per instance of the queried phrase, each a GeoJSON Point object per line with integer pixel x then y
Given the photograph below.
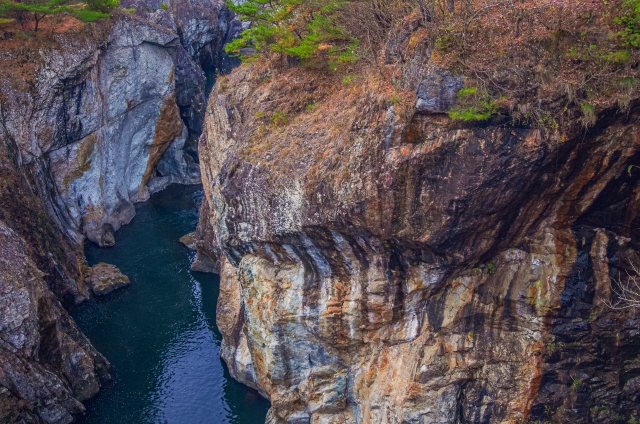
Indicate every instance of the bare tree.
{"type": "Point", "coordinates": [626, 290]}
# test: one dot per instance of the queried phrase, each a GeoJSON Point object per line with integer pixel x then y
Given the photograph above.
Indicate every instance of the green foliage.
{"type": "Point", "coordinates": [589, 117]}
{"type": "Point", "coordinates": [576, 383]}
{"type": "Point", "coordinates": [303, 29]}
{"type": "Point", "coordinates": [491, 268]}
{"type": "Point", "coordinates": [630, 20]}
{"type": "Point", "coordinates": [37, 9]}
{"type": "Point", "coordinates": [348, 79]}
{"type": "Point", "coordinates": [483, 111]}
{"type": "Point", "coordinates": [164, 6]}
{"type": "Point", "coordinates": [104, 6]}
{"type": "Point", "coordinates": [86, 15]}
{"type": "Point", "coordinates": [467, 91]}
{"type": "Point", "coordinates": [395, 99]}
{"type": "Point", "coordinates": [473, 106]}
{"type": "Point", "coordinates": [279, 119]}
{"type": "Point", "coordinates": [312, 106]}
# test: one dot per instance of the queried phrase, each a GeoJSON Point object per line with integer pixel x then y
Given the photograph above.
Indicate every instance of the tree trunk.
{"type": "Point", "coordinates": [37, 19]}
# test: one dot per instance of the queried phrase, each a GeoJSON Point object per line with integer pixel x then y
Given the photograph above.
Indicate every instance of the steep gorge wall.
{"type": "Point", "coordinates": [385, 266]}
{"type": "Point", "coordinates": [104, 117]}
{"type": "Point", "coordinates": [95, 117]}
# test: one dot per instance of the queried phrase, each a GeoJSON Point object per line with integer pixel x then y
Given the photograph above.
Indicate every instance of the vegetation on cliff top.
{"type": "Point", "coordinates": [544, 63]}
{"type": "Point", "coordinates": [547, 63]}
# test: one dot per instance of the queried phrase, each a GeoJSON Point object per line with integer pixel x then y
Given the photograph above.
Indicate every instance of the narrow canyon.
{"type": "Point", "coordinates": [434, 224]}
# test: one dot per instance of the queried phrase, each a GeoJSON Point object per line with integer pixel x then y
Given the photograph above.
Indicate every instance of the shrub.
{"type": "Point", "coordinates": [86, 15]}
{"type": "Point", "coordinates": [279, 119]}
{"type": "Point", "coordinates": [630, 19]}
{"type": "Point", "coordinates": [473, 113]}
{"type": "Point", "coordinates": [395, 99]}
{"type": "Point", "coordinates": [473, 107]}
{"type": "Point", "coordinates": [588, 118]}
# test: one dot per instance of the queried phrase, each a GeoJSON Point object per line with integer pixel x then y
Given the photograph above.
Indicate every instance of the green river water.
{"type": "Point", "coordinates": [160, 334]}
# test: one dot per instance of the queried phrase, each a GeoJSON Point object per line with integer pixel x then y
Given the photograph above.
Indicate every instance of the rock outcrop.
{"type": "Point", "coordinates": [386, 264]}
{"type": "Point", "coordinates": [46, 364]}
{"type": "Point", "coordinates": [110, 116]}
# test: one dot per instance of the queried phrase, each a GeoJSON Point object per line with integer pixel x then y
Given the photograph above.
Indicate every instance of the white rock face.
{"type": "Point", "coordinates": [100, 176]}
{"type": "Point", "coordinates": [104, 126]}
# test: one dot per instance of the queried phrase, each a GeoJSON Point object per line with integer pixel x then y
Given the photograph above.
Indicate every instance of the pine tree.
{"type": "Point", "coordinates": [304, 29]}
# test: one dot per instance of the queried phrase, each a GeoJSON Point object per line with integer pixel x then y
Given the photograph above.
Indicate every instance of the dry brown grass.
{"type": "Point", "coordinates": [540, 55]}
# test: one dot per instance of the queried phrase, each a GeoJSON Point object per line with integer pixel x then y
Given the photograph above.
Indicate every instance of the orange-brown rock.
{"type": "Point", "coordinates": [385, 264]}
{"type": "Point", "coordinates": [104, 278]}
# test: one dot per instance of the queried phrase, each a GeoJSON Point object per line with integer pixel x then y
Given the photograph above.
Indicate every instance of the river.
{"type": "Point", "coordinates": [160, 333]}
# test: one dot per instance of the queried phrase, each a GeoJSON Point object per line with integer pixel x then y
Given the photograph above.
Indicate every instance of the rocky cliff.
{"type": "Point", "coordinates": [104, 113]}
{"type": "Point", "coordinates": [383, 263]}
{"type": "Point", "coordinates": [94, 117]}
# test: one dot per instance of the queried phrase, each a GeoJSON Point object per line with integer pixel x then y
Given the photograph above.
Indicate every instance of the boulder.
{"type": "Point", "coordinates": [104, 278]}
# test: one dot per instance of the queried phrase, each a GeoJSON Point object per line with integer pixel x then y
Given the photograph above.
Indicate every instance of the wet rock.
{"type": "Point", "coordinates": [208, 255]}
{"type": "Point", "coordinates": [104, 278]}
{"type": "Point", "coordinates": [205, 263]}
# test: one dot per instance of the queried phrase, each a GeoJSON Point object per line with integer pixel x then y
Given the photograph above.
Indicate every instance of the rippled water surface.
{"type": "Point", "coordinates": [160, 334]}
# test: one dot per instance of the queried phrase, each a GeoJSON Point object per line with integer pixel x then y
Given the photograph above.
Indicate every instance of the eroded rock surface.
{"type": "Point", "coordinates": [189, 240]}
{"type": "Point", "coordinates": [379, 266]}
{"type": "Point", "coordinates": [110, 120]}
